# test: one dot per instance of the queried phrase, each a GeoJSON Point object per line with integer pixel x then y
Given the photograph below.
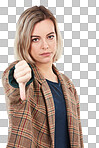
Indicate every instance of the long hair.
{"type": "Point", "coordinates": [24, 29]}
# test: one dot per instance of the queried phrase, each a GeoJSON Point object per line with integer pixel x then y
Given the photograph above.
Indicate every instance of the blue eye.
{"type": "Point", "coordinates": [35, 40]}
{"type": "Point", "coordinates": [51, 36]}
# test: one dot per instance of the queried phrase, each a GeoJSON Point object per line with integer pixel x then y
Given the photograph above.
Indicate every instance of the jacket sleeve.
{"type": "Point", "coordinates": [73, 90]}
{"type": "Point", "coordinates": [18, 111]}
{"type": "Point", "coordinates": [78, 111]}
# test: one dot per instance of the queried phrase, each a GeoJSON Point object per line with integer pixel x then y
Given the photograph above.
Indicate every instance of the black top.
{"type": "Point", "coordinates": [61, 124]}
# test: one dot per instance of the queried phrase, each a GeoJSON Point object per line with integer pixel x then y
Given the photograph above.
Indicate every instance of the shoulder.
{"type": "Point", "coordinates": [69, 84]}
{"type": "Point", "coordinates": [67, 81]}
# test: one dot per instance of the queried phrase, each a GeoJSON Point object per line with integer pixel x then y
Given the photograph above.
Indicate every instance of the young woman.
{"type": "Point", "coordinates": [43, 105]}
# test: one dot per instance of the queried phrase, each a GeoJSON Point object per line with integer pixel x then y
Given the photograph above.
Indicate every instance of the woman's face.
{"type": "Point", "coordinates": [43, 42]}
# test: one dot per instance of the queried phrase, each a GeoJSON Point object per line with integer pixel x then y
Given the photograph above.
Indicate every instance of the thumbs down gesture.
{"type": "Point", "coordinates": [22, 74]}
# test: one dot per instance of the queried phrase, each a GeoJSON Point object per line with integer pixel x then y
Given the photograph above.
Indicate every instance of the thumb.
{"type": "Point", "coordinates": [22, 90]}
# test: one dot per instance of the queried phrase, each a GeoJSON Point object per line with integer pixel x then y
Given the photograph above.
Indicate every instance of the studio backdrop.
{"type": "Point", "coordinates": [78, 22]}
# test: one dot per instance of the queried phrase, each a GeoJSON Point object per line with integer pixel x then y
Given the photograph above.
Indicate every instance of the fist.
{"type": "Point", "coordinates": [22, 74]}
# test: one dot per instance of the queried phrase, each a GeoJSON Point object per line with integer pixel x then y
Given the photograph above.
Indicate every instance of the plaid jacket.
{"type": "Point", "coordinates": [32, 121]}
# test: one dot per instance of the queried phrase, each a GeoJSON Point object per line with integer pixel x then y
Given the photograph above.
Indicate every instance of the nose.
{"type": "Point", "coordinates": [44, 44]}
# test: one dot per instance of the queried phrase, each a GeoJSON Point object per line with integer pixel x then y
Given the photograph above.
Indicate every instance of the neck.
{"type": "Point", "coordinates": [45, 69]}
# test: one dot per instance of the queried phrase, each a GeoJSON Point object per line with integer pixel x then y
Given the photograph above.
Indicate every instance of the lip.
{"type": "Point", "coordinates": [46, 54]}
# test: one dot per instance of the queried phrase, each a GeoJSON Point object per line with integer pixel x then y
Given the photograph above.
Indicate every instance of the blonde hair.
{"type": "Point", "coordinates": [24, 29]}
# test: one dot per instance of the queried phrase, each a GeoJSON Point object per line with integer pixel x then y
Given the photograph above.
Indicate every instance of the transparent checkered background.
{"type": "Point", "coordinates": [79, 24]}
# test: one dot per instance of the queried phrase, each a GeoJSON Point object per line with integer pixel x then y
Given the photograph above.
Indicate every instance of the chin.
{"type": "Point", "coordinates": [45, 61]}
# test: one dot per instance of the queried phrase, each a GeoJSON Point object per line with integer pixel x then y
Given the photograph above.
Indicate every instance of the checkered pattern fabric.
{"type": "Point", "coordinates": [78, 22]}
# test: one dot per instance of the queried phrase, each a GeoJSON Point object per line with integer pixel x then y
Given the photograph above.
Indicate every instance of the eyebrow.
{"type": "Point", "coordinates": [39, 36]}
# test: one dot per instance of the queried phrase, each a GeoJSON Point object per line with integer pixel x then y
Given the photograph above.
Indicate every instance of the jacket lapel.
{"type": "Point", "coordinates": [50, 102]}
{"type": "Point", "coordinates": [50, 109]}
{"type": "Point", "coordinates": [48, 99]}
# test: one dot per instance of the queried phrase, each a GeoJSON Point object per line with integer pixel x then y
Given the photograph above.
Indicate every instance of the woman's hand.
{"type": "Point", "coordinates": [22, 74]}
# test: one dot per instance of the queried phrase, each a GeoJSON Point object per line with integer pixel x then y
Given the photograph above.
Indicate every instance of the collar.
{"type": "Point", "coordinates": [39, 77]}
